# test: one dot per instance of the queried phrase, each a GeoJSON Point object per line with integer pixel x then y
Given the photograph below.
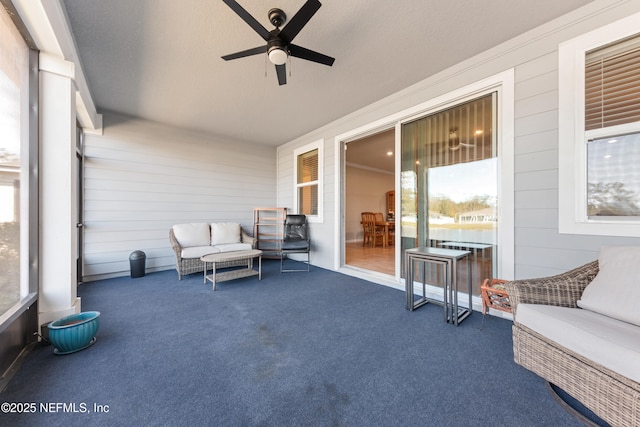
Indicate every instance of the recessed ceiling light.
{"type": "Point", "coordinates": [607, 156]}
{"type": "Point", "coordinates": [612, 141]}
{"type": "Point", "coordinates": [389, 153]}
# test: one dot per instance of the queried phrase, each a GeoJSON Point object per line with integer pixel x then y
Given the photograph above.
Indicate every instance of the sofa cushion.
{"type": "Point", "coordinates": [231, 247]}
{"type": "Point", "coordinates": [609, 342]}
{"type": "Point", "coordinates": [194, 234]}
{"type": "Point", "coordinates": [615, 291]}
{"type": "Point", "coordinates": [199, 251]}
{"type": "Point", "coordinates": [223, 233]}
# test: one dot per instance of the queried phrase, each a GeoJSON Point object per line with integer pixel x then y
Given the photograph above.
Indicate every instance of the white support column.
{"type": "Point", "coordinates": [58, 188]}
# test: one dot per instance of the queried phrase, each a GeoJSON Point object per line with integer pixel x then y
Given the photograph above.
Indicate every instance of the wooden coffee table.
{"type": "Point", "coordinates": [232, 274]}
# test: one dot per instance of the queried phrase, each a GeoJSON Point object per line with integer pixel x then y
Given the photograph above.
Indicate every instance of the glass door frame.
{"type": "Point", "coordinates": [503, 83]}
{"type": "Point", "coordinates": [429, 147]}
{"type": "Point", "coordinates": [341, 142]}
{"type": "Point", "coordinates": [504, 123]}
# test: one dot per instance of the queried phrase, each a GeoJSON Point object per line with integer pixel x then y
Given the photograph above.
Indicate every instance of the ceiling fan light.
{"type": "Point", "coordinates": [278, 56]}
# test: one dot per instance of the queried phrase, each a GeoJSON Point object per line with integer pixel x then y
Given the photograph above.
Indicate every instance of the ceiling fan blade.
{"type": "Point", "coordinates": [310, 55]}
{"type": "Point", "coordinates": [246, 17]}
{"type": "Point", "coordinates": [243, 53]}
{"type": "Point", "coordinates": [281, 71]}
{"type": "Point", "coordinates": [300, 19]}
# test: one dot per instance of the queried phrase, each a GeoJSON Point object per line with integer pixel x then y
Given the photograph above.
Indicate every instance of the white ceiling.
{"type": "Point", "coordinates": [160, 59]}
{"type": "Point", "coordinates": [372, 152]}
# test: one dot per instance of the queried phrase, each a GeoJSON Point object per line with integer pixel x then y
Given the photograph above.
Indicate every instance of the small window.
{"type": "Point", "coordinates": [599, 130]}
{"type": "Point", "coordinates": [308, 183]}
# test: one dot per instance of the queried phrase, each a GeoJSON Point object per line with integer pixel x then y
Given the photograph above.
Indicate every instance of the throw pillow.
{"type": "Point", "coordinates": [615, 291]}
{"type": "Point", "coordinates": [195, 234]}
{"type": "Point", "coordinates": [225, 232]}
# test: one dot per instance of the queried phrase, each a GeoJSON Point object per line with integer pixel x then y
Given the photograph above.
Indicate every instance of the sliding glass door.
{"type": "Point", "coordinates": [449, 182]}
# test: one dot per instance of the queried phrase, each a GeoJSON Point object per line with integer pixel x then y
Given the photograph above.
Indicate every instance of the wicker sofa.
{"type": "Point", "coordinates": [194, 240]}
{"type": "Point", "coordinates": [598, 358]}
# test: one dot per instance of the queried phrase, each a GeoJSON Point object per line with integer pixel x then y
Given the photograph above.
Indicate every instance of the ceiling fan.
{"type": "Point", "coordinates": [279, 45]}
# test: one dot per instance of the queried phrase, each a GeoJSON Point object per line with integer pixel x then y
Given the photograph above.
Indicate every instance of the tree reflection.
{"type": "Point", "coordinates": [611, 199]}
{"type": "Point", "coordinates": [445, 206]}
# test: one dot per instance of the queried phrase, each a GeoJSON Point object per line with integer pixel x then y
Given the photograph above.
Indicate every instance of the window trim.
{"type": "Point", "coordinates": [316, 145]}
{"type": "Point", "coordinates": [572, 147]}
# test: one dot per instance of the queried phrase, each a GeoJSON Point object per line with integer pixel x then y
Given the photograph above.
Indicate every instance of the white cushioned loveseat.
{"type": "Point", "coordinates": [580, 331]}
{"type": "Point", "coordinates": [194, 240]}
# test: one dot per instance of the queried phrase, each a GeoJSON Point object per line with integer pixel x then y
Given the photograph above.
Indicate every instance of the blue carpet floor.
{"type": "Point", "coordinates": [296, 349]}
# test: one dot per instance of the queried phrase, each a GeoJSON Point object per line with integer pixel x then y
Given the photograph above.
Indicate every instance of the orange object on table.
{"type": "Point", "coordinates": [494, 296]}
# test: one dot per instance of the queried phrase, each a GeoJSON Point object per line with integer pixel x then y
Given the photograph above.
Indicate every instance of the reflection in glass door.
{"type": "Point", "coordinates": [449, 183]}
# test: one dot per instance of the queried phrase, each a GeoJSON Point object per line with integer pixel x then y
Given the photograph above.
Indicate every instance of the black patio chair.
{"type": "Point", "coordinates": [295, 240]}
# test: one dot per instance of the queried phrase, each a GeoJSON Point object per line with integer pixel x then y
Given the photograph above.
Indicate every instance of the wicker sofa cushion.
{"type": "Point", "coordinates": [609, 342]}
{"type": "Point", "coordinates": [194, 234]}
{"type": "Point", "coordinates": [199, 251]}
{"type": "Point", "coordinates": [230, 247]}
{"type": "Point", "coordinates": [223, 233]}
{"type": "Point", "coordinates": [615, 291]}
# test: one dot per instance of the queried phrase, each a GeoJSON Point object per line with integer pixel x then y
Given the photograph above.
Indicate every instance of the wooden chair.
{"type": "Point", "coordinates": [389, 230]}
{"type": "Point", "coordinates": [371, 232]}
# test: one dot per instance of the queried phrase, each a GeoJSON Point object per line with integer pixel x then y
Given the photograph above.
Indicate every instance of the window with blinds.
{"type": "Point", "coordinates": [612, 85]}
{"type": "Point", "coordinates": [307, 182]}
{"type": "Point", "coordinates": [599, 130]}
{"type": "Point", "coordinates": [612, 125]}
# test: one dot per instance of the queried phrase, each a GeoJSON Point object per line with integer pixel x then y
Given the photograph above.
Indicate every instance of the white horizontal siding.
{"type": "Point", "coordinates": [529, 88]}
{"type": "Point", "coordinates": [536, 199]}
{"type": "Point", "coordinates": [544, 179]}
{"type": "Point", "coordinates": [536, 161]}
{"type": "Point", "coordinates": [552, 260]}
{"type": "Point", "coordinates": [536, 217]}
{"type": "Point", "coordinates": [534, 67]}
{"type": "Point", "coordinates": [536, 173]}
{"type": "Point", "coordinates": [140, 178]}
{"type": "Point", "coordinates": [547, 102]}
{"type": "Point", "coordinates": [538, 141]}
{"type": "Point", "coordinates": [534, 123]}
{"type": "Point", "coordinates": [285, 179]}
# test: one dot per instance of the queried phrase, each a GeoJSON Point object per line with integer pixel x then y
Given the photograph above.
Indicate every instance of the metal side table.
{"type": "Point", "coordinates": [474, 248]}
{"type": "Point", "coordinates": [447, 259]}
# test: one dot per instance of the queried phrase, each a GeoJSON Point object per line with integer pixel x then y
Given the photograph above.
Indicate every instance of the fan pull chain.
{"type": "Point", "coordinates": [265, 65]}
